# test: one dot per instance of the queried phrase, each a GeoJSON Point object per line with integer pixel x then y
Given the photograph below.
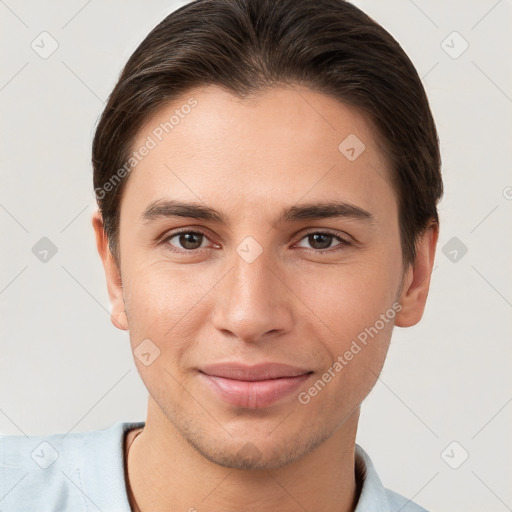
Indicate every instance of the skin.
{"type": "Point", "coordinates": [292, 304]}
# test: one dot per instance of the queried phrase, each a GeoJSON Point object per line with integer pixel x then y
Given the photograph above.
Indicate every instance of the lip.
{"type": "Point", "coordinates": [262, 371]}
{"type": "Point", "coordinates": [255, 386]}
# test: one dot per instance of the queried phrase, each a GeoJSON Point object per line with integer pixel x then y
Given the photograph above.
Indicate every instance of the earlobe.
{"type": "Point", "coordinates": [121, 321]}
{"type": "Point", "coordinates": [112, 274]}
{"type": "Point", "coordinates": [417, 279]}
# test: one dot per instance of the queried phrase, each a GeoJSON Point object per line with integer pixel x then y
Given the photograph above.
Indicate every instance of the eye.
{"type": "Point", "coordinates": [188, 241]}
{"type": "Point", "coordinates": [321, 241]}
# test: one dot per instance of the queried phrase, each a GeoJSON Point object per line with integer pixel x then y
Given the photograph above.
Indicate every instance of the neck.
{"type": "Point", "coordinates": [165, 472]}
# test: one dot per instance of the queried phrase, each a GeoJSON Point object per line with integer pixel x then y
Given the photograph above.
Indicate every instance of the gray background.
{"type": "Point", "coordinates": [64, 367]}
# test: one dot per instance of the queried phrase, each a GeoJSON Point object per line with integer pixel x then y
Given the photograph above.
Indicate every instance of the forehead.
{"type": "Point", "coordinates": [282, 145]}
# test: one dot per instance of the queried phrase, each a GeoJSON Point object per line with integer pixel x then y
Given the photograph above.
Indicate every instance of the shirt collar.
{"type": "Point", "coordinates": [373, 494]}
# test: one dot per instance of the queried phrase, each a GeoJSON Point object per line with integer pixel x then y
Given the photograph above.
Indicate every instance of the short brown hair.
{"type": "Point", "coordinates": [247, 46]}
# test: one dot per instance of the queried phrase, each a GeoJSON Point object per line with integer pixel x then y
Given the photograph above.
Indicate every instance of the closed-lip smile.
{"type": "Point", "coordinates": [253, 386]}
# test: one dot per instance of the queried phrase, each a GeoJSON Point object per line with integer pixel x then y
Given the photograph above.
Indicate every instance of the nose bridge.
{"type": "Point", "coordinates": [252, 300]}
{"type": "Point", "coordinates": [251, 273]}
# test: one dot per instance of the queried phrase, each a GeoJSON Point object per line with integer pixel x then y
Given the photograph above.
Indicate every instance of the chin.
{"type": "Point", "coordinates": [253, 453]}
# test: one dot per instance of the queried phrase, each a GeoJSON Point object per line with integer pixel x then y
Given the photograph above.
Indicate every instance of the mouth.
{"type": "Point", "coordinates": [253, 387]}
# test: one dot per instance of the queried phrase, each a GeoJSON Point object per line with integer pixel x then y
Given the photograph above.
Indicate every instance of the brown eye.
{"type": "Point", "coordinates": [319, 241]}
{"type": "Point", "coordinates": [187, 240]}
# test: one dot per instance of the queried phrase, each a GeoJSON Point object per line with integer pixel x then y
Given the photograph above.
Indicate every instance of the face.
{"type": "Point", "coordinates": [266, 275]}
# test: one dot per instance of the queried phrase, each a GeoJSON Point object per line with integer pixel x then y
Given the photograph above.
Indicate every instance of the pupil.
{"type": "Point", "coordinates": [316, 237]}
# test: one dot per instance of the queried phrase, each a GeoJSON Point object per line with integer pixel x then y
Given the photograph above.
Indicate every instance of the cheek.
{"type": "Point", "coordinates": [163, 303]}
{"type": "Point", "coordinates": [163, 323]}
{"type": "Point", "coordinates": [357, 304]}
{"type": "Point", "coordinates": [351, 298]}
{"type": "Point", "coordinates": [360, 322]}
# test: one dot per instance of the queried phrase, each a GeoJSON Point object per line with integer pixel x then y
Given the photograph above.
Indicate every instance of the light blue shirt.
{"type": "Point", "coordinates": [84, 472]}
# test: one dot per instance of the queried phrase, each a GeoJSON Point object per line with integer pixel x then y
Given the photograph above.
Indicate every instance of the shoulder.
{"type": "Point", "coordinates": [73, 471]}
{"type": "Point", "coordinates": [373, 495]}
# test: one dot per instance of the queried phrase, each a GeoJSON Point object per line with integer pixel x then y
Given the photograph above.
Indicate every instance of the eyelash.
{"type": "Point", "coordinates": [168, 236]}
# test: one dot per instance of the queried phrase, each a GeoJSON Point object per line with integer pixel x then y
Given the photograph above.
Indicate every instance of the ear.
{"type": "Point", "coordinates": [112, 274]}
{"type": "Point", "coordinates": [417, 279]}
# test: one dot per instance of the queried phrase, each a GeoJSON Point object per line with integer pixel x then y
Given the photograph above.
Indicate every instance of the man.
{"type": "Point", "coordinates": [267, 174]}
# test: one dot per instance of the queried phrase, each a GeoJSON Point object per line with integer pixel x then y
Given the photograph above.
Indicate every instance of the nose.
{"type": "Point", "coordinates": [253, 300]}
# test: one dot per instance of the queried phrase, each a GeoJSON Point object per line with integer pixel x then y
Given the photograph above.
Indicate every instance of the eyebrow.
{"type": "Point", "coordinates": [163, 208]}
